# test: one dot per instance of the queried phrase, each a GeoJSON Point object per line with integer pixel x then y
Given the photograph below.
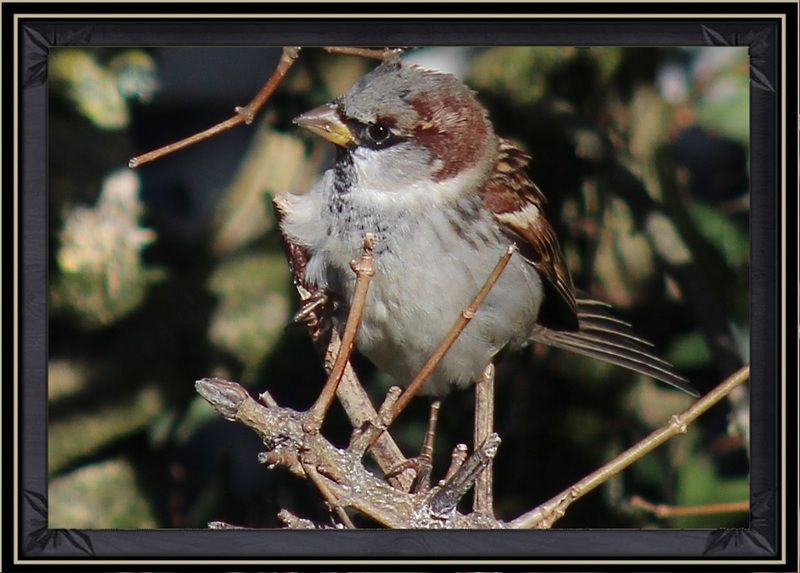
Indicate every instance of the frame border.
{"type": "Point", "coordinates": [765, 544]}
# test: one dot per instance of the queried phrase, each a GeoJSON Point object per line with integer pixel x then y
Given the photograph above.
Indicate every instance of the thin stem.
{"type": "Point", "coordinates": [664, 510]}
{"type": "Point", "coordinates": [444, 500]}
{"type": "Point", "coordinates": [430, 434]}
{"type": "Point", "coordinates": [461, 323]}
{"type": "Point", "coordinates": [549, 512]}
{"type": "Point", "coordinates": [484, 422]}
{"type": "Point", "coordinates": [359, 409]}
{"type": "Point", "coordinates": [363, 437]}
{"type": "Point", "coordinates": [318, 481]}
{"type": "Point", "coordinates": [294, 522]}
{"type": "Point", "coordinates": [383, 55]}
{"type": "Point", "coordinates": [364, 270]}
{"type": "Point", "coordinates": [457, 459]}
{"type": "Point", "coordinates": [243, 114]}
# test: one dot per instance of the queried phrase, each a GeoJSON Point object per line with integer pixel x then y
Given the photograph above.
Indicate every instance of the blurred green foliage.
{"type": "Point", "coordinates": [253, 306]}
{"type": "Point", "coordinates": [97, 497]}
{"type": "Point", "coordinates": [140, 308]}
{"type": "Point", "coordinates": [102, 275]}
{"type": "Point", "coordinates": [101, 91]}
{"type": "Point", "coordinates": [730, 239]}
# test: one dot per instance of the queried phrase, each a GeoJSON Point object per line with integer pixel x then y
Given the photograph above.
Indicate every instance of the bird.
{"type": "Point", "coordinates": [419, 166]}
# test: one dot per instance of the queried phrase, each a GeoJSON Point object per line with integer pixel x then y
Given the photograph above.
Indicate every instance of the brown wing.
{"type": "Point", "coordinates": [517, 204]}
{"type": "Point", "coordinates": [566, 319]}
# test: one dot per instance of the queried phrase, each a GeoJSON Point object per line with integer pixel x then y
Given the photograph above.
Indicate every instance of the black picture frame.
{"type": "Point", "coordinates": [770, 31]}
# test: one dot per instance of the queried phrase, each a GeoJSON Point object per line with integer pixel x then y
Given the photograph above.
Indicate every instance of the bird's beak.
{"type": "Point", "coordinates": [325, 122]}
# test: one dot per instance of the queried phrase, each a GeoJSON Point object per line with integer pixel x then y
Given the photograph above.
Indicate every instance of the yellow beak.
{"type": "Point", "coordinates": [325, 122]}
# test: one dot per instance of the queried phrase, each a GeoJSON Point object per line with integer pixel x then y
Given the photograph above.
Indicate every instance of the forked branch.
{"type": "Point", "coordinates": [339, 474]}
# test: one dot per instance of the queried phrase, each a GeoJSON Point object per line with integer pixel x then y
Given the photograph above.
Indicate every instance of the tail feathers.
{"type": "Point", "coordinates": [602, 336]}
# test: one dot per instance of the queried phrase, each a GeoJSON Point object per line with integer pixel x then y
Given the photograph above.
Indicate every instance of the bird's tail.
{"type": "Point", "coordinates": [602, 336]}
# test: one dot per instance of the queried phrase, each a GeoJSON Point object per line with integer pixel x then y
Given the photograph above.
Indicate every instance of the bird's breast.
{"type": "Point", "coordinates": [427, 272]}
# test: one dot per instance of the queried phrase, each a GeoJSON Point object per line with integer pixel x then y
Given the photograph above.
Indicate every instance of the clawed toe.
{"type": "Point", "coordinates": [315, 312]}
{"type": "Point", "coordinates": [423, 463]}
{"type": "Point", "coordinates": [422, 466]}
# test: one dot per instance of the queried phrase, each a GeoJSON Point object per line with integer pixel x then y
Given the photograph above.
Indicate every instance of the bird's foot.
{"type": "Point", "coordinates": [315, 312]}
{"type": "Point", "coordinates": [422, 466]}
{"type": "Point", "coordinates": [423, 463]}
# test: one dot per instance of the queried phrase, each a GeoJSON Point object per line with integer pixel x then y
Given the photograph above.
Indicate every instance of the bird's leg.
{"type": "Point", "coordinates": [423, 463]}
{"type": "Point", "coordinates": [363, 267]}
{"type": "Point", "coordinates": [484, 420]}
{"type": "Point", "coordinates": [315, 311]}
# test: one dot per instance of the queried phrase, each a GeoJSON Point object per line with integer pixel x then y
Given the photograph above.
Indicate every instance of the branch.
{"type": "Point", "coordinates": [243, 114]}
{"type": "Point", "coordinates": [339, 474]}
{"type": "Point", "coordinates": [663, 510]}
{"type": "Point", "coordinates": [382, 55]}
{"type": "Point", "coordinates": [484, 422]}
{"type": "Point", "coordinates": [247, 113]}
{"type": "Point", "coordinates": [360, 411]}
{"type": "Point", "coordinates": [365, 270]}
{"type": "Point", "coordinates": [444, 499]}
{"type": "Point", "coordinates": [549, 512]}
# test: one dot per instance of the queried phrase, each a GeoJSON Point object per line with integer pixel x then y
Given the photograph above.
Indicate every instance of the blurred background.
{"type": "Point", "coordinates": [175, 271]}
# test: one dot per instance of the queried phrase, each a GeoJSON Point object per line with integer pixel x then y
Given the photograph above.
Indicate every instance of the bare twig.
{"type": "Point", "coordinates": [286, 459]}
{"type": "Point", "coordinates": [363, 436]}
{"type": "Point", "coordinates": [383, 55]}
{"type": "Point", "coordinates": [293, 521]}
{"type": "Point", "coordinates": [461, 323]}
{"type": "Point", "coordinates": [246, 114]}
{"type": "Point", "coordinates": [223, 525]}
{"type": "Point", "coordinates": [243, 114]}
{"type": "Point", "coordinates": [484, 422]}
{"type": "Point", "coordinates": [457, 459]}
{"type": "Point", "coordinates": [549, 512]}
{"type": "Point", "coordinates": [364, 270]}
{"type": "Point", "coordinates": [664, 510]}
{"type": "Point", "coordinates": [267, 399]}
{"type": "Point", "coordinates": [317, 480]}
{"type": "Point", "coordinates": [359, 409]}
{"type": "Point", "coordinates": [443, 500]}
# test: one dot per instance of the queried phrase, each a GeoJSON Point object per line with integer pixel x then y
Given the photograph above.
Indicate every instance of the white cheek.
{"type": "Point", "coordinates": [389, 180]}
{"type": "Point", "coordinates": [386, 171]}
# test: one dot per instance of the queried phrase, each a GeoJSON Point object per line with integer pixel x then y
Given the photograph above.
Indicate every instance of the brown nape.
{"type": "Point", "coordinates": [452, 126]}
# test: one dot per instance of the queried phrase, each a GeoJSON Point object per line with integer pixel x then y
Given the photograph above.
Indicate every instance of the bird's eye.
{"type": "Point", "coordinates": [378, 132]}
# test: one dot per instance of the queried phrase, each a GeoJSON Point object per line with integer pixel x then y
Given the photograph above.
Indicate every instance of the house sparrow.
{"type": "Point", "coordinates": [418, 166]}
